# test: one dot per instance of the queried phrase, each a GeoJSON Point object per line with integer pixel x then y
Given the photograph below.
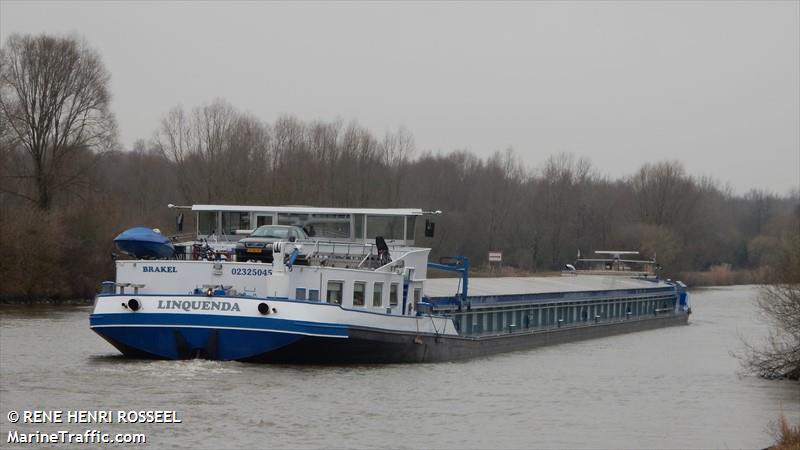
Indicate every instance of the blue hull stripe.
{"type": "Point", "coordinates": [186, 342]}
{"type": "Point", "coordinates": [218, 322]}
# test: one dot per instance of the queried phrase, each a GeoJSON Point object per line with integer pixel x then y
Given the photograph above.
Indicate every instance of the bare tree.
{"type": "Point", "coordinates": [324, 153]}
{"type": "Point", "coordinates": [397, 149]}
{"type": "Point", "coordinates": [286, 147]}
{"type": "Point", "coordinates": [779, 302]}
{"type": "Point", "coordinates": [562, 177]}
{"type": "Point", "coordinates": [505, 174]}
{"type": "Point", "coordinates": [210, 146]}
{"type": "Point", "coordinates": [175, 139]}
{"type": "Point", "coordinates": [248, 142]}
{"type": "Point", "coordinates": [214, 124]}
{"type": "Point", "coordinates": [54, 102]}
{"type": "Point", "coordinates": [761, 205]}
{"type": "Point", "coordinates": [663, 192]}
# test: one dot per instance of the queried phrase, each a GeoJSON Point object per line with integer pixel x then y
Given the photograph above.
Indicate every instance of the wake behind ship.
{"type": "Point", "coordinates": [344, 285]}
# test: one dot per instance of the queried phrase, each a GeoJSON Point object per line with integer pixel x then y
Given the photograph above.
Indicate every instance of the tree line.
{"type": "Point", "coordinates": [67, 186]}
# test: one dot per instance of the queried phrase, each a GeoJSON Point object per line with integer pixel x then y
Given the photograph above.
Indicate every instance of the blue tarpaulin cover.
{"type": "Point", "coordinates": [143, 242]}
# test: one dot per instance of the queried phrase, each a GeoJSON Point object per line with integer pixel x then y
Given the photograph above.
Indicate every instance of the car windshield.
{"type": "Point", "coordinates": [271, 232]}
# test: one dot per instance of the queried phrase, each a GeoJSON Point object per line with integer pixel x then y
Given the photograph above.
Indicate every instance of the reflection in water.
{"type": "Point", "coordinates": [674, 387]}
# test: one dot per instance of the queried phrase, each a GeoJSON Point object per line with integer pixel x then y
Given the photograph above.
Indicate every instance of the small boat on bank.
{"type": "Point", "coordinates": [356, 291]}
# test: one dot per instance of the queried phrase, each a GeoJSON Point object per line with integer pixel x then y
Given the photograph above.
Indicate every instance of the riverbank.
{"type": "Point", "coordinates": [721, 275]}
{"type": "Point", "coordinates": [46, 301]}
{"type": "Point", "coordinates": [724, 275]}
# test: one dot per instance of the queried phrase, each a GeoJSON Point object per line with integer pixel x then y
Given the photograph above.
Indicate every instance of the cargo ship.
{"type": "Point", "coordinates": [294, 284]}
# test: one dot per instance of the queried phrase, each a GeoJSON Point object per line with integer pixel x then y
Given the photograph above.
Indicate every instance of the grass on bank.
{"type": "Point", "coordinates": [788, 435]}
{"type": "Point", "coordinates": [723, 275]}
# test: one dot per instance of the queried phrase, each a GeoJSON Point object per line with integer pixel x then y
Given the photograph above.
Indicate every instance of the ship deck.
{"type": "Point", "coordinates": [482, 287]}
{"type": "Point", "coordinates": [508, 291]}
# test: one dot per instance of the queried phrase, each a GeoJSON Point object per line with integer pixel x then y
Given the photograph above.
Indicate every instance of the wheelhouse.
{"type": "Point", "coordinates": [229, 223]}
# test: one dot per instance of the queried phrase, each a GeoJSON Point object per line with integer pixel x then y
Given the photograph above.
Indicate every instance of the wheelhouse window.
{"type": "Point", "coordinates": [334, 292]}
{"type": "Point", "coordinates": [390, 227]}
{"type": "Point", "coordinates": [359, 288]}
{"type": "Point", "coordinates": [358, 226]}
{"type": "Point", "coordinates": [292, 219]}
{"type": "Point", "coordinates": [411, 223]}
{"type": "Point", "coordinates": [206, 223]}
{"type": "Point", "coordinates": [332, 226]}
{"type": "Point", "coordinates": [393, 295]}
{"type": "Point", "coordinates": [300, 293]}
{"type": "Point", "coordinates": [336, 226]}
{"type": "Point", "coordinates": [377, 295]}
{"type": "Point", "coordinates": [313, 295]}
{"type": "Point", "coordinates": [263, 219]}
{"type": "Point", "coordinates": [232, 221]}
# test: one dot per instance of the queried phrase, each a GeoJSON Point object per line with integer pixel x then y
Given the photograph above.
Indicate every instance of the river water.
{"type": "Point", "coordinates": [677, 387]}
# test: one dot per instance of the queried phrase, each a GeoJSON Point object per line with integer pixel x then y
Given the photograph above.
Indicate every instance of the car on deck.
{"type": "Point", "coordinates": [258, 245]}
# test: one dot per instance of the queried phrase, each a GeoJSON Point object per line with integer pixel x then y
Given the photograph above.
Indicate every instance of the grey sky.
{"type": "Point", "coordinates": [715, 85]}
